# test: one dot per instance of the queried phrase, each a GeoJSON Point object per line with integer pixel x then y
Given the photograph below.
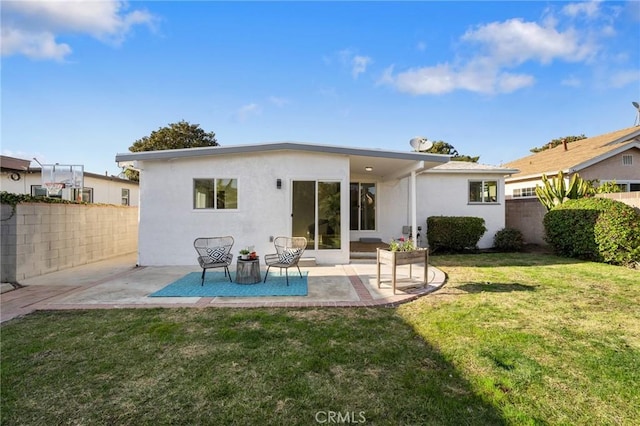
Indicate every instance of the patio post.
{"type": "Point", "coordinates": [414, 198]}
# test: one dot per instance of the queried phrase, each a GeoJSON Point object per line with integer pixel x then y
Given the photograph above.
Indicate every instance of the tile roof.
{"type": "Point", "coordinates": [578, 155]}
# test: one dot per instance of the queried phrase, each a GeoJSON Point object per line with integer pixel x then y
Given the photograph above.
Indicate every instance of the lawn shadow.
{"type": "Point", "coordinates": [495, 287]}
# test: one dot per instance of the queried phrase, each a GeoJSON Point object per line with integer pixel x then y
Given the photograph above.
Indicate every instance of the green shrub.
{"type": "Point", "coordinates": [454, 233]}
{"type": "Point", "coordinates": [597, 229]}
{"type": "Point", "coordinates": [508, 239]}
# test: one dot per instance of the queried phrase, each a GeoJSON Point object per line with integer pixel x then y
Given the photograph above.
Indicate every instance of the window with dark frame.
{"type": "Point", "coordinates": [362, 206]}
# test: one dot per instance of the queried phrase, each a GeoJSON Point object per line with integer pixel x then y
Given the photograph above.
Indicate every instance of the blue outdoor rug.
{"type": "Point", "coordinates": [216, 284]}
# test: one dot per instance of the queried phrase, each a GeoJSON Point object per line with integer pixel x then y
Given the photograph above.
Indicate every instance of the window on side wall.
{"type": "Point", "coordinates": [215, 193]}
{"type": "Point", "coordinates": [125, 197]}
{"type": "Point", "coordinates": [87, 195]}
{"type": "Point", "coordinates": [524, 192]}
{"type": "Point", "coordinates": [483, 191]}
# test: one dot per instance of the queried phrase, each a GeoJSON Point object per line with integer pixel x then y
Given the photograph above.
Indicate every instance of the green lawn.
{"type": "Point", "coordinates": [510, 339]}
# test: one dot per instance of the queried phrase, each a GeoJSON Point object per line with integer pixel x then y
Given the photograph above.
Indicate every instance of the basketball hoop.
{"type": "Point", "coordinates": [53, 188]}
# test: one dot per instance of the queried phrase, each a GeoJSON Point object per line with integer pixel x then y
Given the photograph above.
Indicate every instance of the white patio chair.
{"type": "Point", "coordinates": [289, 250]}
{"type": "Point", "coordinates": [214, 252]}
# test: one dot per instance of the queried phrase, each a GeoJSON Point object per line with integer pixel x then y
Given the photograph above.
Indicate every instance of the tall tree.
{"type": "Point", "coordinates": [174, 136]}
{"type": "Point", "coordinates": [441, 147]}
{"type": "Point", "coordinates": [555, 142]}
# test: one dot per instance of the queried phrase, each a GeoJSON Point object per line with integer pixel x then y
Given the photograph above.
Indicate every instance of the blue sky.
{"type": "Point", "coordinates": [82, 81]}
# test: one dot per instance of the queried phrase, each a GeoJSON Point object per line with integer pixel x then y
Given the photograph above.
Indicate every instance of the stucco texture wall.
{"type": "Point", "coordinates": [169, 224]}
{"type": "Point", "coordinates": [42, 238]}
{"type": "Point", "coordinates": [448, 195]}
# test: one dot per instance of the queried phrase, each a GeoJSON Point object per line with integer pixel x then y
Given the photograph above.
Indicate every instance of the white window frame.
{"type": "Point", "coordinates": [125, 194]}
{"type": "Point", "coordinates": [483, 182]}
{"type": "Point", "coordinates": [215, 194]}
{"type": "Point", "coordinates": [530, 192]}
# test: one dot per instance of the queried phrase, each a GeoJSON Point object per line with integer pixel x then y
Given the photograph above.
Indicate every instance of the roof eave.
{"type": "Point", "coordinates": [278, 146]}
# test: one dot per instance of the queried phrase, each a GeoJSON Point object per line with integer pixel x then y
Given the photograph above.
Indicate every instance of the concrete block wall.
{"type": "Point", "coordinates": [629, 198]}
{"type": "Point", "coordinates": [527, 214]}
{"type": "Point", "coordinates": [41, 238]}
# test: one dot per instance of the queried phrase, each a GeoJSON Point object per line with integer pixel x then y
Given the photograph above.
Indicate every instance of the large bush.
{"type": "Point", "coordinates": [454, 233]}
{"type": "Point", "coordinates": [596, 229]}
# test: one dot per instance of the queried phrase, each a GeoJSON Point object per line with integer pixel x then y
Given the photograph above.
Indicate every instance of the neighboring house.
{"type": "Point", "coordinates": [613, 156]}
{"type": "Point", "coordinates": [610, 157]}
{"type": "Point", "coordinates": [19, 178]}
{"type": "Point", "coordinates": [330, 195]}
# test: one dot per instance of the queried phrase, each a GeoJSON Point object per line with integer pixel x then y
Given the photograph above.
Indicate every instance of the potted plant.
{"type": "Point", "coordinates": [244, 254]}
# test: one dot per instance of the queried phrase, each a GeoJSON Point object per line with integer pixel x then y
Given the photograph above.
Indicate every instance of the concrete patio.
{"type": "Point", "coordinates": [119, 283]}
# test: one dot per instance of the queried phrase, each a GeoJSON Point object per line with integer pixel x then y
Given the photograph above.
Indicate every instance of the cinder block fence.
{"type": "Point", "coordinates": [39, 238]}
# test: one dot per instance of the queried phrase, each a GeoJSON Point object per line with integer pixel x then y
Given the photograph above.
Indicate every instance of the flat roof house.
{"type": "Point", "coordinates": [329, 194]}
{"type": "Point", "coordinates": [18, 177]}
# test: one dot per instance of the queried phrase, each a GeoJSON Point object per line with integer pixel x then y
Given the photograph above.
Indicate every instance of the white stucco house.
{"type": "Point", "coordinates": [18, 177]}
{"type": "Point", "coordinates": [329, 194]}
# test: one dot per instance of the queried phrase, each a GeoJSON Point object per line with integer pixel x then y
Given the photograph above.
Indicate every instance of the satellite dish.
{"type": "Point", "coordinates": [420, 143]}
{"type": "Point", "coordinates": [637, 106]}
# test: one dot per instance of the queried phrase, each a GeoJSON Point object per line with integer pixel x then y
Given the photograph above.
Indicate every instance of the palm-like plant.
{"type": "Point", "coordinates": [556, 191]}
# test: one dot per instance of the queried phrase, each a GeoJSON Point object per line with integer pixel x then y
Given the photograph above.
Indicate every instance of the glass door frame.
{"type": "Point", "coordinates": [333, 225]}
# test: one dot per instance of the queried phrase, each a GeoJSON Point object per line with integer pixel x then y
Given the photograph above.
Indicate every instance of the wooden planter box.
{"type": "Point", "coordinates": [395, 258]}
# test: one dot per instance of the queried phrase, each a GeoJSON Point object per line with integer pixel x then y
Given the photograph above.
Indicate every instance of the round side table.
{"type": "Point", "coordinates": [248, 271]}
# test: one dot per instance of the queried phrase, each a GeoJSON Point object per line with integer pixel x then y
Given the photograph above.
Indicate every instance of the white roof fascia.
{"type": "Point", "coordinates": [503, 172]}
{"type": "Point", "coordinates": [538, 175]}
{"type": "Point", "coordinates": [237, 149]}
{"type": "Point", "coordinates": [629, 137]}
{"type": "Point", "coordinates": [604, 156]}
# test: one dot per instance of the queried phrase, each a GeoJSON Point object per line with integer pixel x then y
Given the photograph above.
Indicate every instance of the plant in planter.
{"type": "Point", "coordinates": [244, 253]}
{"type": "Point", "coordinates": [401, 244]}
{"type": "Point", "coordinates": [402, 252]}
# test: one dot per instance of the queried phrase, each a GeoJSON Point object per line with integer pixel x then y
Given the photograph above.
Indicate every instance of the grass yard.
{"type": "Point", "coordinates": [511, 339]}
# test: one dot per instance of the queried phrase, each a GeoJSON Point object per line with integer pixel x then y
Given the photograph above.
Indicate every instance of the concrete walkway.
{"type": "Point", "coordinates": [118, 283]}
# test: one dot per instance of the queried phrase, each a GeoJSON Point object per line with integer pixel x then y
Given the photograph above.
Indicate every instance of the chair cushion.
{"type": "Point", "coordinates": [217, 254]}
{"type": "Point", "coordinates": [288, 256]}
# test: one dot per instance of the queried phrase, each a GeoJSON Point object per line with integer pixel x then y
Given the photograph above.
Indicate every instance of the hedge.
{"type": "Point", "coordinates": [454, 233]}
{"type": "Point", "coordinates": [597, 229]}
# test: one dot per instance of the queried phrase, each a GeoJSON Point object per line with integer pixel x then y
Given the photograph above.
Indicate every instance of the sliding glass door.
{"type": "Point", "coordinates": [316, 213]}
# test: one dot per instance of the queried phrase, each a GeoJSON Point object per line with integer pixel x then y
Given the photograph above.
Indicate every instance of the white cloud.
{"type": "Point", "coordinates": [247, 111]}
{"type": "Point", "coordinates": [620, 79]}
{"type": "Point", "coordinates": [499, 48]}
{"type": "Point", "coordinates": [278, 101]}
{"type": "Point", "coordinates": [571, 81]}
{"type": "Point", "coordinates": [30, 28]}
{"type": "Point", "coordinates": [356, 63]}
{"type": "Point", "coordinates": [359, 65]}
{"type": "Point", "coordinates": [444, 78]}
{"type": "Point", "coordinates": [514, 42]}
{"type": "Point", "coordinates": [40, 45]}
{"type": "Point", "coordinates": [588, 9]}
